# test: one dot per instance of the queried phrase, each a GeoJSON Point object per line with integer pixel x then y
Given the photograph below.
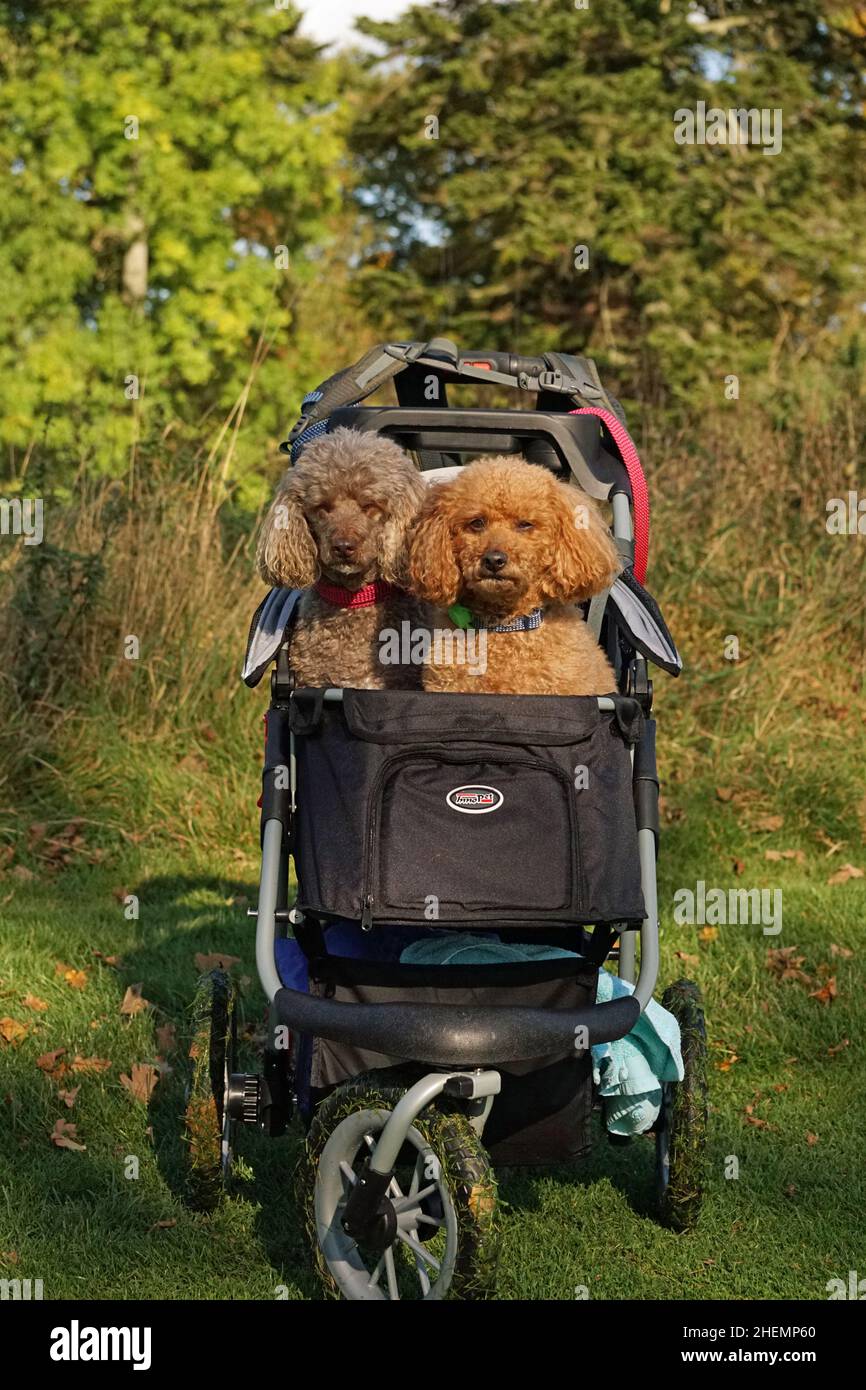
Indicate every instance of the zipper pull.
{"type": "Point", "coordinates": [367, 914]}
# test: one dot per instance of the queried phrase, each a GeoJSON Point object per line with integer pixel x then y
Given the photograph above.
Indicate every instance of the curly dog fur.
{"type": "Point", "coordinates": [503, 538]}
{"type": "Point", "coordinates": [342, 515]}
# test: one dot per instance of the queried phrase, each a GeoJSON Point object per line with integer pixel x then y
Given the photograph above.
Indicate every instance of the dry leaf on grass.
{"type": "Point", "coordinates": [64, 1135]}
{"type": "Point", "coordinates": [216, 961]}
{"type": "Point", "coordinates": [841, 951]}
{"type": "Point", "coordinates": [10, 1257]}
{"type": "Point", "coordinates": [133, 1002]}
{"type": "Point", "coordinates": [738, 866]}
{"type": "Point", "coordinates": [165, 1038]}
{"type": "Point", "coordinates": [783, 963]}
{"type": "Point", "coordinates": [686, 958]}
{"type": "Point", "coordinates": [708, 934]}
{"type": "Point", "coordinates": [142, 1083]}
{"type": "Point", "coordinates": [76, 978]}
{"type": "Point", "coordinates": [86, 1065]}
{"type": "Point", "coordinates": [68, 1097]}
{"type": "Point", "coordinates": [847, 871]}
{"type": "Point", "coordinates": [774, 855]}
{"type": "Point", "coordinates": [827, 993]}
{"type": "Point", "coordinates": [728, 1062]}
{"type": "Point", "coordinates": [113, 961]}
{"type": "Point", "coordinates": [11, 1031]}
{"type": "Point", "coordinates": [725, 793]}
{"type": "Point", "coordinates": [811, 1139]}
{"type": "Point", "coordinates": [22, 873]}
{"type": "Point", "coordinates": [839, 1047]}
{"type": "Point", "coordinates": [163, 1225]}
{"type": "Point", "coordinates": [48, 1060]}
{"type": "Point", "coordinates": [32, 1001]}
{"type": "Point", "coordinates": [769, 823]}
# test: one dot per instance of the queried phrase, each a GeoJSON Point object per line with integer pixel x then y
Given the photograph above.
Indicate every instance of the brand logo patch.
{"type": "Point", "coordinates": [474, 800]}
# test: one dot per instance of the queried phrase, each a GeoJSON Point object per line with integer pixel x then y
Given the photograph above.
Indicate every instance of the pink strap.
{"type": "Point", "coordinates": [639, 494]}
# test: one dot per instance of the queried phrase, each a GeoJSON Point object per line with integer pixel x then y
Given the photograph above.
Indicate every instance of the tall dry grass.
{"type": "Point", "coordinates": [167, 744]}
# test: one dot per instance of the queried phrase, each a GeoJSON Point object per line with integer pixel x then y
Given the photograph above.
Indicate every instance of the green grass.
{"type": "Point", "coordinates": [793, 1218]}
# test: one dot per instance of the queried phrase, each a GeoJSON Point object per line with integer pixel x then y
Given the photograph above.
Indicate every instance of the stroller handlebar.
{"type": "Point", "coordinates": [457, 1035]}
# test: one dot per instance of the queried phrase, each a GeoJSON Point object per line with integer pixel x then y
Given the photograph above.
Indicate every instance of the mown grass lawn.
{"type": "Point", "coordinates": [787, 1112]}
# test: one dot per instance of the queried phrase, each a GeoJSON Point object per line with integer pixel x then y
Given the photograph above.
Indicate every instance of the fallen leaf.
{"type": "Point", "coordinates": [113, 961]}
{"type": "Point", "coordinates": [11, 1031]}
{"type": "Point", "coordinates": [133, 1003]}
{"type": "Point", "coordinates": [686, 958]}
{"type": "Point", "coordinates": [725, 793]}
{"type": "Point", "coordinates": [791, 1190]}
{"type": "Point", "coordinates": [9, 1256]}
{"type": "Point", "coordinates": [64, 1135]}
{"type": "Point", "coordinates": [769, 823]}
{"type": "Point", "coordinates": [216, 961]}
{"type": "Point", "coordinates": [68, 1097]}
{"type": "Point", "coordinates": [791, 1061]}
{"type": "Point", "coordinates": [163, 1225]}
{"type": "Point", "coordinates": [839, 1047]}
{"type": "Point", "coordinates": [811, 1139]}
{"type": "Point", "coordinates": [847, 871]}
{"type": "Point", "coordinates": [728, 1062]}
{"type": "Point", "coordinates": [758, 1122]}
{"type": "Point", "coordinates": [165, 1038]}
{"type": "Point", "coordinates": [31, 1001]}
{"type": "Point", "coordinates": [76, 978]}
{"type": "Point", "coordinates": [782, 962]}
{"type": "Point", "coordinates": [776, 854]}
{"type": "Point", "coordinates": [841, 951]}
{"type": "Point", "coordinates": [827, 993]}
{"type": "Point", "coordinates": [739, 866]}
{"type": "Point", "coordinates": [120, 894]}
{"type": "Point", "coordinates": [780, 1086]}
{"type": "Point", "coordinates": [22, 873]}
{"type": "Point", "coordinates": [142, 1082]}
{"type": "Point", "coordinates": [86, 1065]}
{"type": "Point", "coordinates": [48, 1060]}
{"type": "Point", "coordinates": [708, 934]}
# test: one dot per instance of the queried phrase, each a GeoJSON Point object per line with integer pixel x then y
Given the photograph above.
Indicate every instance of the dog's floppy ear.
{"type": "Point", "coordinates": [406, 497]}
{"type": "Point", "coordinates": [584, 558]}
{"type": "Point", "coordinates": [433, 572]}
{"type": "Point", "coordinates": [286, 555]}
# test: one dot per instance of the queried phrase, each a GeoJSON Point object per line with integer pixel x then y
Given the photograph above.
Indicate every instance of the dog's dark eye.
{"type": "Point", "coordinates": [371, 509]}
{"type": "Point", "coordinates": [524, 526]}
{"type": "Point", "coordinates": [476, 524]}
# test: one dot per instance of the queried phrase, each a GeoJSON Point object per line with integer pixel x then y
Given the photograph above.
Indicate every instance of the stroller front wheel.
{"type": "Point", "coordinates": [442, 1197]}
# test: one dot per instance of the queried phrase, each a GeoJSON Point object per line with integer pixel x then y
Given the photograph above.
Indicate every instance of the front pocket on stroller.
{"type": "Point", "coordinates": [472, 838]}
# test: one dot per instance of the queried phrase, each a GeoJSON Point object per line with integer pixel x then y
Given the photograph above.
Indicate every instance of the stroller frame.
{"type": "Point", "coordinates": [458, 1046]}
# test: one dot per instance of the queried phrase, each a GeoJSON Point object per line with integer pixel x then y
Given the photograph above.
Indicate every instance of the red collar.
{"type": "Point", "coordinates": [364, 597]}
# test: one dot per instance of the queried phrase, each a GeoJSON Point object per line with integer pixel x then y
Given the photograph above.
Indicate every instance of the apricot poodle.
{"type": "Point", "coordinates": [507, 551]}
{"type": "Point", "coordinates": [337, 529]}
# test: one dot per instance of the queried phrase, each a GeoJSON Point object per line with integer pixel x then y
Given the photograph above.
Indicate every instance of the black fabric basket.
{"type": "Point", "coordinates": [465, 810]}
{"type": "Point", "coordinates": [544, 1110]}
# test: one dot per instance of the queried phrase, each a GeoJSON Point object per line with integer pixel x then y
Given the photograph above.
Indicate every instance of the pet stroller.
{"type": "Point", "coordinates": [410, 813]}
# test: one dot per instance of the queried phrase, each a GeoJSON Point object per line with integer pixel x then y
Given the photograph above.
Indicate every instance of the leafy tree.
{"type": "Point", "coordinates": [556, 131]}
{"type": "Point", "coordinates": [153, 161]}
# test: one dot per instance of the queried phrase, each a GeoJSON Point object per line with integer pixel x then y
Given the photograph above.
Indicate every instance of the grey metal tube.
{"type": "Point", "coordinates": [272, 843]}
{"type": "Point", "coordinates": [409, 1107]}
{"type": "Point", "coordinates": [649, 932]}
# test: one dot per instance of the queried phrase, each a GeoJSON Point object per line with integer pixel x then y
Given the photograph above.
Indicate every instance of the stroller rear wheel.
{"type": "Point", "coordinates": [681, 1136]}
{"type": "Point", "coordinates": [209, 1130]}
{"type": "Point", "coordinates": [443, 1230]}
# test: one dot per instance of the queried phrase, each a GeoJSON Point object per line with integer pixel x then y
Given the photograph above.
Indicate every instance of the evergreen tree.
{"type": "Point", "coordinates": [496, 140]}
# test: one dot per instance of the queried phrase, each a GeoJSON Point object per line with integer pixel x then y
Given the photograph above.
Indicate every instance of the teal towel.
{"type": "Point", "coordinates": [469, 948]}
{"type": "Point", "coordinates": [629, 1072]}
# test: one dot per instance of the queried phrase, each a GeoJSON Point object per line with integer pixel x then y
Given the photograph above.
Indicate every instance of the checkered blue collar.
{"type": "Point", "coordinates": [526, 622]}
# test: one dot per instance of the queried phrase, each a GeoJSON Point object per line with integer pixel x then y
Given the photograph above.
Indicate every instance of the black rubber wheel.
{"type": "Point", "coordinates": [681, 1135]}
{"type": "Point", "coordinates": [209, 1133]}
{"type": "Point", "coordinates": [450, 1250]}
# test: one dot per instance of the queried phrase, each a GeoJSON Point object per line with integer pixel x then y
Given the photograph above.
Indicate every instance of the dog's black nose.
{"type": "Point", "coordinates": [345, 549]}
{"type": "Point", "coordinates": [494, 561]}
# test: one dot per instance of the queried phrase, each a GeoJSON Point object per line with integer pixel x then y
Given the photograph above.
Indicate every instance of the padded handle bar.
{"type": "Point", "coordinates": [457, 1035]}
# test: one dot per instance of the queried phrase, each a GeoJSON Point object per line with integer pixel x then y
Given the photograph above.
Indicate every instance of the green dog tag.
{"type": "Point", "coordinates": [460, 615]}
